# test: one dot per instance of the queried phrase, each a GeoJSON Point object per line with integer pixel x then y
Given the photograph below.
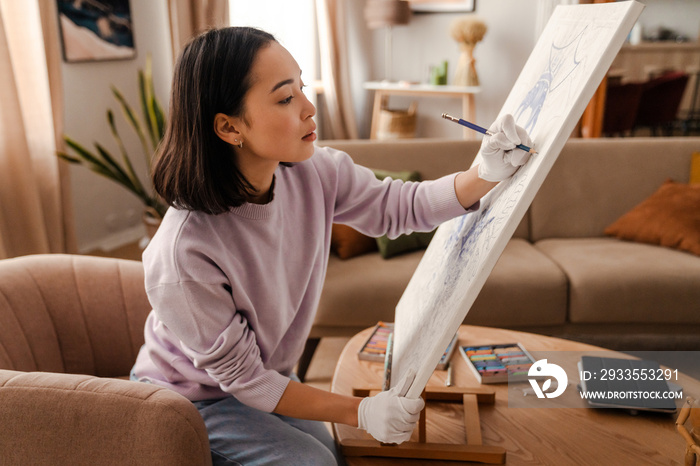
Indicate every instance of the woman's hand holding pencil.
{"type": "Point", "coordinates": [506, 147]}
{"type": "Point", "coordinates": [501, 157]}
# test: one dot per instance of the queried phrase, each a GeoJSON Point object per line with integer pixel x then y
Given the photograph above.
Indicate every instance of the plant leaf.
{"type": "Point", "coordinates": [132, 119]}
{"type": "Point", "coordinates": [69, 158]}
{"type": "Point", "coordinates": [119, 174]}
{"type": "Point", "coordinates": [128, 112]}
{"type": "Point", "coordinates": [153, 112]}
{"type": "Point", "coordinates": [83, 153]}
{"type": "Point", "coordinates": [160, 118]}
{"type": "Point", "coordinates": [104, 163]}
{"type": "Point", "coordinates": [130, 172]}
{"type": "Point", "coordinates": [89, 160]}
{"type": "Point", "coordinates": [145, 100]}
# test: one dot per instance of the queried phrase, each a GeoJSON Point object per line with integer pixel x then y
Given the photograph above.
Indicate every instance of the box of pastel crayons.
{"type": "Point", "coordinates": [374, 348]}
{"type": "Point", "coordinates": [498, 363]}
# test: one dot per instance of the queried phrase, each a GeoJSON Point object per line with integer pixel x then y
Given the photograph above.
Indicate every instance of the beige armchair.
{"type": "Point", "coordinates": [70, 329]}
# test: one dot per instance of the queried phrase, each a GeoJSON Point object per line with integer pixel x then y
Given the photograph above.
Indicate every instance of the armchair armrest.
{"type": "Point", "coordinates": [50, 418]}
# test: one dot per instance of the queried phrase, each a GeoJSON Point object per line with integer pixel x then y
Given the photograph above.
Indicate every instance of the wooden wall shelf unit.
{"type": "Point", "coordinates": [638, 62]}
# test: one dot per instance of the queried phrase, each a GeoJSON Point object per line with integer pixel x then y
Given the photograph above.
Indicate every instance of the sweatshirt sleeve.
{"type": "Point", "coordinates": [218, 341]}
{"type": "Point", "coordinates": [192, 297]}
{"type": "Point", "coordinates": [392, 207]}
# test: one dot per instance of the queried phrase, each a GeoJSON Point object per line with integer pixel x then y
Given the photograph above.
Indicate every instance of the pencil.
{"type": "Point", "coordinates": [448, 382]}
{"type": "Point", "coordinates": [481, 130]}
{"type": "Point", "coordinates": [387, 362]}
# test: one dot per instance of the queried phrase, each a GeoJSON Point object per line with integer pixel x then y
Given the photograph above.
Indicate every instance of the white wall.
{"type": "Point", "coordinates": [105, 213]}
{"type": "Point", "coordinates": [683, 16]}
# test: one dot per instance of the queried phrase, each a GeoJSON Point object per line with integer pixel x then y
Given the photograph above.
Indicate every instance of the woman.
{"type": "Point", "coordinates": [235, 272]}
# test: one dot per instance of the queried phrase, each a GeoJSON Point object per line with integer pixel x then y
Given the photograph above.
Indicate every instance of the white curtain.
{"type": "Point", "coordinates": [35, 212]}
{"type": "Point", "coordinates": [335, 72]}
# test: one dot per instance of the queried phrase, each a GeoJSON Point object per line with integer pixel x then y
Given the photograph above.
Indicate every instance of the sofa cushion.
{"type": "Point", "coordinates": [363, 290]}
{"type": "Point", "coordinates": [670, 217]}
{"type": "Point", "coordinates": [404, 175]}
{"type": "Point", "coordinates": [695, 168]}
{"type": "Point", "coordinates": [347, 242]}
{"type": "Point", "coordinates": [592, 183]}
{"type": "Point", "coordinates": [403, 243]}
{"type": "Point", "coordinates": [525, 288]}
{"type": "Point", "coordinates": [389, 248]}
{"type": "Point", "coordinates": [617, 281]}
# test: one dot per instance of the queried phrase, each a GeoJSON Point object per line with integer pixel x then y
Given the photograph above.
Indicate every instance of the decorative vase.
{"type": "Point", "coordinates": [465, 75]}
{"type": "Point", "coordinates": [438, 74]}
{"type": "Point", "coordinates": [467, 31]}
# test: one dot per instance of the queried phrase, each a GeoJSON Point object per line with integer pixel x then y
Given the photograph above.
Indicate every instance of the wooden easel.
{"type": "Point", "coordinates": [473, 450]}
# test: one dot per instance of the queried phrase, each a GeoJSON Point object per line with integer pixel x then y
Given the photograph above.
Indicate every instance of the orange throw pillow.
{"type": "Point", "coordinates": [347, 242]}
{"type": "Point", "coordinates": [670, 217]}
{"type": "Point", "coordinates": [695, 168]}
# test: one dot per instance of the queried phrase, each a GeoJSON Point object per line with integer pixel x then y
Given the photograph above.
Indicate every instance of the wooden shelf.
{"type": "Point", "coordinates": [383, 89]}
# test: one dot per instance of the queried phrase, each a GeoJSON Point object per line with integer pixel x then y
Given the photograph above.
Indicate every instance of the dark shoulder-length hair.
{"type": "Point", "coordinates": [194, 169]}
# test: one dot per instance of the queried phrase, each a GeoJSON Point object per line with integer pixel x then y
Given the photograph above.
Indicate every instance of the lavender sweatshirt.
{"type": "Point", "coordinates": [234, 295]}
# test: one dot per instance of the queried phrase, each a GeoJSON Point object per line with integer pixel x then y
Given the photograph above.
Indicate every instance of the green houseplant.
{"type": "Point", "coordinates": [149, 129]}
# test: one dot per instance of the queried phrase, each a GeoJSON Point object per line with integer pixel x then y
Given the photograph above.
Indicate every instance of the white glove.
{"type": "Point", "coordinates": [500, 158]}
{"type": "Point", "coordinates": [389, 417]}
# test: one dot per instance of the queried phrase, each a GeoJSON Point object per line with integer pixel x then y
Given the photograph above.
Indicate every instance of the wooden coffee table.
{"type": "Point", "coordinates": [565, 435]}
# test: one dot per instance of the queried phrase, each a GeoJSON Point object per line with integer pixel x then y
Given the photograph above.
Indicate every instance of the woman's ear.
{"type": "Point", "coordinates": [225, 128]}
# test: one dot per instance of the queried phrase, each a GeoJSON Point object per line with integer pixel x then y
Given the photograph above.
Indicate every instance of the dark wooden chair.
{"type": "Point", "coordinates": [621, 105]}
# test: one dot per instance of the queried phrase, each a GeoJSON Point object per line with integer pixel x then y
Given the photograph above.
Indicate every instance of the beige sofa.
{"type": "Point", "coordinates": [559, 275]}
{"type": "Point", "coordinates": [70, 329]}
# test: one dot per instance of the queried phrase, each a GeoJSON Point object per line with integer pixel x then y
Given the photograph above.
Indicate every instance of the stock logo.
{"type": "Point", "coordinates": [541, 369]}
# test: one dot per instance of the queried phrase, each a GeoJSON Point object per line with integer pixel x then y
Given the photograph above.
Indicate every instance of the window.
{"type": "Point", "coordinates": [292, 23]}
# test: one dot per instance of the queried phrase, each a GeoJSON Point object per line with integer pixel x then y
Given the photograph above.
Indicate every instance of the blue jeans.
{"type": "Point", "coordinates": [241, 435]}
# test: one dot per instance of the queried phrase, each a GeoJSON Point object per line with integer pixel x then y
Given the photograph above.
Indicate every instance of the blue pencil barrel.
{"type": "Point", "coordinates": [473, 126]}
{"type": "Point", "coordinates": [485, 131]}
{"type": "Point", "coordinates": [481, 130]}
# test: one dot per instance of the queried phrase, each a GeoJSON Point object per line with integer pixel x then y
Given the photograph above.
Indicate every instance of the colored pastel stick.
{"type": "Point", "coordinates": [483, 357]}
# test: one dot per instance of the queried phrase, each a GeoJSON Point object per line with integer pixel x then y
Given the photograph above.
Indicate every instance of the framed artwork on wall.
{"type": "Point", "coordinates": [442, 6]}
{"type": "Point", "coordinates": [96, 30]}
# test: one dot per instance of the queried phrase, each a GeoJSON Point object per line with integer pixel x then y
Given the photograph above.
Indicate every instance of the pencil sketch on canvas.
{"type": "Point", "coordinates": [566, 66]}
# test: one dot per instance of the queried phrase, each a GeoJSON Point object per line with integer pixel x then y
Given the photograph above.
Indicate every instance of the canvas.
{"type": "Point", "coordinates": [561, 75]}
